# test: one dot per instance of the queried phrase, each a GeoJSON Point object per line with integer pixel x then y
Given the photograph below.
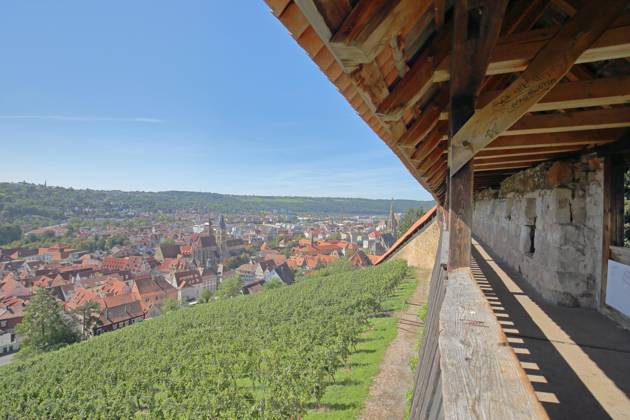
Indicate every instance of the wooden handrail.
{"type": "Point", "coordinates": [620, 254]}
{"type": "Point", "coordinates": [466, 368]}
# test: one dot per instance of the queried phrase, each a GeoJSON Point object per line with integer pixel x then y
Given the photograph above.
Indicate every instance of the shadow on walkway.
{"type": "Point", "coordinates": [577, 360]}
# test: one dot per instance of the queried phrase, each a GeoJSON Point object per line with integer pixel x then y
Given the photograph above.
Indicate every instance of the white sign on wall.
{"type": "Point", "coordinates": [618, 287]}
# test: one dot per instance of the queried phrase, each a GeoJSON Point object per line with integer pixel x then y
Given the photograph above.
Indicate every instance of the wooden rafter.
{"type": "Point", "coordinates": [591, 119]}
{"type": "Point", "coordinates": [523, 141]}
{"type": "Point", "coordinates": [402, 67]}
{"type": "Point", "coordinates": [546, 69]}
{"type": "Point", "coordinates": [512, 54]}
{"type": "Point", "coordinates": [582, 94]}
{"type": "Point", "coordinates": [370, 25]}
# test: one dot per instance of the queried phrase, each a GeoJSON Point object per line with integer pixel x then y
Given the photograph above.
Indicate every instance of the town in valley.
{"type": "Point", "coordinates": [109, 273]}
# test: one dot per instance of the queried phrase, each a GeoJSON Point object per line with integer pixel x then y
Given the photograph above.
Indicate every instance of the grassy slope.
{"type": "Point", "coordinates": [345, 398]}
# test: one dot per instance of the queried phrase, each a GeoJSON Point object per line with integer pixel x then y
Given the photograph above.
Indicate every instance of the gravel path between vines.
{"type": "Point", "coordinates": [387, 397]}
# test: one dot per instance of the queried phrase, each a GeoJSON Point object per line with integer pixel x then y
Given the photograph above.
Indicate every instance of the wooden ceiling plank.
{"type": "Point", "coordinates": [370, 26]}
{"type": "Point", "coordinates": [439, 10]}
{"type": "Point", "coordinates": [278, 6]}
{"type": "Point", "coordinates": [576, 138]}
{"type": "Point", "coordinates": [493, 162]}
{"type": "Point", "coordinates": [525, 152]}
{"type": "Point", "coordinates": [523, 15]}
{"type": "Point", "coordinates": [592, 119]}
{"type": "Point", "coordinates": [418, 80]}
{"type": "Point", "coordinates": [582, 94]}
{"type": "Point", "coordinates": [425, 122]}
{"type": "Point", "coordinates": [546, 69]}
{"type": "Point", "coordinates": [293, 20]}
{"type": "Point", "coordinates": [430, 142]}
{"type": "Point", "coordinates": [502, 166]}
{"type": "Point", "coordinates": [512, 54]}
{"type": "Point", "coordinates": [333, 12]}
{"type": "Point", "coordinates": [430, 160]}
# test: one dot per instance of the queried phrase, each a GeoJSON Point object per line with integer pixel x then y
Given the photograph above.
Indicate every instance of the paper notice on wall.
{"type": "Point", "coordinates": [618, 288]}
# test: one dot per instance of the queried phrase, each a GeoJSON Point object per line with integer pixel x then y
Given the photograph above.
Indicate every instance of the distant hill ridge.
{"type": "Point", "coordinates": [24, 202]}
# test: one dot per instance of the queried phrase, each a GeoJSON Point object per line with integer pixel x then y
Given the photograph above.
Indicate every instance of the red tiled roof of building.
{"type": "Point", "coordinates": [428, 216]}
{"type": "Point", "coordinates": [10, 286]}
{"type": "Point", "coordinates": [12, 310]}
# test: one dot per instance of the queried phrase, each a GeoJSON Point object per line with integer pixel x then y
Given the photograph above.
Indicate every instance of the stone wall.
{"type": "Point", "coordinates": [420, 250]}
{"type": "Point", "coordinates": [546, 223]}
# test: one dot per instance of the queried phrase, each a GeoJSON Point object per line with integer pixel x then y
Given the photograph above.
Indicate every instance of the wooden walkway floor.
{"type": "Point", "coordinates": [577, 360]}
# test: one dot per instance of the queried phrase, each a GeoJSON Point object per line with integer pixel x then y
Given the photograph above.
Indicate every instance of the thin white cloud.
{"type": "Point", "coordinates": [81, 119]}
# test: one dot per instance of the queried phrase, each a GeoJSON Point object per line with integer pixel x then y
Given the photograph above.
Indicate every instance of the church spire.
{"type": "Point", "coordinates": [392, 223]}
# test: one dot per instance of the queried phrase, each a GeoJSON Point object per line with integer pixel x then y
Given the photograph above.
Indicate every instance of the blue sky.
{"type": "Point", "coordinates": [190, 95]}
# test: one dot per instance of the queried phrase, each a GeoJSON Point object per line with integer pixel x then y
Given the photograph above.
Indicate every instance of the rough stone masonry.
{"type": "Point", "coordinates": [546, 223]}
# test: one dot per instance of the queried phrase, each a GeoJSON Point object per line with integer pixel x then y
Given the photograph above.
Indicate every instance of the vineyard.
{"type": "Point", "coordinates": [270, 355]}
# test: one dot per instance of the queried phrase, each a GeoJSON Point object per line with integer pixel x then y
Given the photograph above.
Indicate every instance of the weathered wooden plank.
{"type": "Point", "coordinates": [525, 152]}
{"type": "Point", "coordinates": [333, 12]}
{"type": "Point", "coordinates": [439, 10]}
{"type": "Point", "coordinates": [485, 162]}
{"type": "Point", "coordinates": [430, 142]}
{"type": "Point", "coordinates": [370, 26]}
{"type": "Point", "coordinates": [580, 94]}
{"type": "Point", "coordinates": [277, 6]}
{"type": "Point", "coordinates": [513, 54]}
{"type": "Point", "coordinates": [481, 376]}
{"type": "Point", "coordinates": [418, 80]}
{"type": "Point", "coordinates": [504, 166]}
{"type": "Point", "coordinates": [426, 401]}
{"type": "Point", "coordinates": [546, 69]}
{"type": "Point", "coordinates": [620, 254]}
{"type": "Point", "coordinates": [590, 137]}
{"type": "Point", "coordinates": [426, 121]}
{"type": "Point", "coordinates": [571, 121]}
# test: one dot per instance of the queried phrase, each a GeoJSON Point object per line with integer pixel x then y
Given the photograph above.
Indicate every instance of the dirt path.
{"type": "Point", "coordinates": [387, 397]}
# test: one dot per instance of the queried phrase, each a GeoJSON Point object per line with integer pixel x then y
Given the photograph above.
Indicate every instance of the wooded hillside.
{"type": "Point", "coordinates": [36, 205]}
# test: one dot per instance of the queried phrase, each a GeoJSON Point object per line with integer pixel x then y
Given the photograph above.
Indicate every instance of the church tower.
{"type": "Point", "coordinates": [222, 238]}
{"type": "Point", "coordinates": [392, 223]}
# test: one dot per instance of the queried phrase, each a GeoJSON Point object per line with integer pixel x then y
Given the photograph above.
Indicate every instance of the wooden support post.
{"type": "Point", "coordinates": [475, 32]}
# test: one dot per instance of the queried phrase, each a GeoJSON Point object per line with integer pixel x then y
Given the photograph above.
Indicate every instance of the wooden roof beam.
{"type": "Point", "coordinates": [480, 163]}
{"type": "Point", "coordinates": [576, 138]}
{"type": "Point", "coordinates": [527, 151]}
{"type": "Point", "coordinates": [436, 136]}
{"type": "Point", "coordinates": [503, 166]}
{"type": "Point", "coordinates": [426, 121]}
{"type": "Point", "coordinates": [551, 63]}
{"type": "Point", "coordinates": [512, 54]}
{"type": "Point", "coordinates": [581, 94]}
{"type": "Point", "coordinates": [571, 121]}
{"type": "Point", "coordinates": [371, 25]}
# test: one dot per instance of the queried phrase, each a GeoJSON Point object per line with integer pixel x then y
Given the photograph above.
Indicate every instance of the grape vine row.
{"type": "Point", "coordinates": [268, 355]}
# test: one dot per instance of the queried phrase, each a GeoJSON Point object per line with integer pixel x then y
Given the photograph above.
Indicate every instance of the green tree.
{"type": "Point", "coordinates": [205, 296]}
{"type": "Point", "coordinates": [170, 305]}
{"type": "Point", "coordinates": [274, 283]}
{"type": "Point", "coordinates": [230, 287]}
{"type": "Point", "coordinates": [167, 241]}
{"type": "Point", "coordinates": [87, 316]}
{"type": "Point", "coordinates": [10, 233]}
{"type": "Point", "coordinates": [409, 218]}
{"type": "Point", "coordinates": [45, 326]}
